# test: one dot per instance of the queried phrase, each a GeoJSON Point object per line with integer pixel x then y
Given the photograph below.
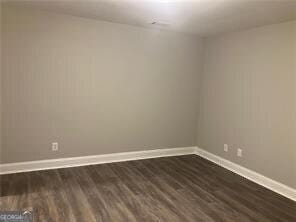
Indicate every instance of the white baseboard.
{"type": "Point", "coordinates": [91, 160]}
{"type": "Point", "coordinates": [249, 174]}
{"type": "Point", "coordinates": [138, 155]}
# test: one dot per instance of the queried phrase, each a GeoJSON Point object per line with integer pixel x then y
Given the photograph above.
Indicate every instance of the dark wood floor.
{"type": "Point", "coordinates": [185, 188]}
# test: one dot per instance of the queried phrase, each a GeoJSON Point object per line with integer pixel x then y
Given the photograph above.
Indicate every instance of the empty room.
{"type": "Point", "coordinates": [148, 111]}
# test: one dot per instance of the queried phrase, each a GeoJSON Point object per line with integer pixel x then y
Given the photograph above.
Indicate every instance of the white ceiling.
{"type": "Point", "coordinates": [202, 17]}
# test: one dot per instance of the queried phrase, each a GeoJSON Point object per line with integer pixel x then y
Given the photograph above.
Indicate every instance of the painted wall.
{"type": "Point", "coordinates": [98, 87]}
{"type": "Point", "coordinates": [248, 99]}
{"type": "Point", "coordinates": [94, 87]}
{"type": "Point", "coordinates": [0, 84]}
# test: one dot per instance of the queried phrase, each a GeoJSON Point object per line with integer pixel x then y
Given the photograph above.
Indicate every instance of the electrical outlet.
{"type": "Point", "coordinates": [225, 148]}
{"type": "Point", "coordinates": [239, 152]}
{"type": "Point", "coordinates": [55, 146]}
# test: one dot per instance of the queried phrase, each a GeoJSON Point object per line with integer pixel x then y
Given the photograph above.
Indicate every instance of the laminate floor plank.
{"type": "Point", "coordinates": [169, 189]}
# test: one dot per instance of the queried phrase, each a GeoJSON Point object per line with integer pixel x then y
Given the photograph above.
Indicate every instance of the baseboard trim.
{"type": "Point", "coordinates": [249, 174]}
{"type": "Point", "coordinates": [28, 166]}
{"type": "Point", "coordinates": [273, 185]}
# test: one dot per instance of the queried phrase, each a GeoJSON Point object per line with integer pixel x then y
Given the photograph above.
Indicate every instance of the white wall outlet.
{"type": "Point", "coordinates": [239, 152]}
{"type": "Point", "coordinates": [55, 146]}
{"type": "Point", "coordinates": [225, 148]}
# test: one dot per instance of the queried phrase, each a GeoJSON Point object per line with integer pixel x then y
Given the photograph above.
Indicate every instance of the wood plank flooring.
{"type": "Point", "coordinates": [171, 189]}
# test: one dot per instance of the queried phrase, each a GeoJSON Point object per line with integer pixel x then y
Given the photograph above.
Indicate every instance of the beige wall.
{"type": "Point", "coordinates": [248, 99]}
{"type": "Point", "coordinates": [94, 87]}
{"type": "Point", "coordinates": [0, 85]}
{"type": "Point", "coordinates": [97, 87]}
